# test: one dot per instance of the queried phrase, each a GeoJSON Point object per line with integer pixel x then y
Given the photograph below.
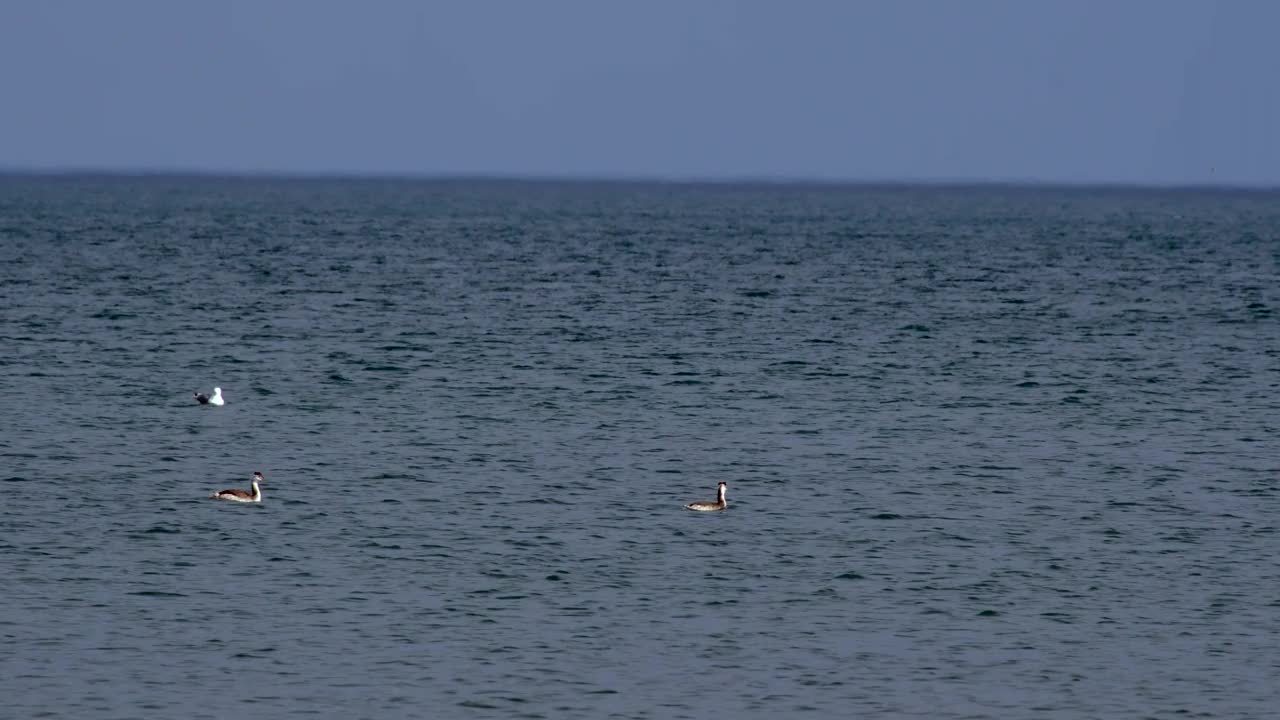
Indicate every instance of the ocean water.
{"type": "Point", "coordinates": [992, 452]}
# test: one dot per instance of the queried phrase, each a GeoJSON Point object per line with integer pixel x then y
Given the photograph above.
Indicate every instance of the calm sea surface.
{"type": "Point", "coordinates": [991, 452]}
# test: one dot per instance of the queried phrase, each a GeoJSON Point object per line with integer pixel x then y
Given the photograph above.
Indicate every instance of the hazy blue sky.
{"type": "Point", "coordinates": [1074, 90]}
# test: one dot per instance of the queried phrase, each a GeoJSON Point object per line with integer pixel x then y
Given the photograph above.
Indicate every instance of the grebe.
{"type": "Point", "coordinates": [238, 495]}
{"type": "Point", "coordinates": [719, 504]}
{"type": "Point", "coordinates": [214, 399]}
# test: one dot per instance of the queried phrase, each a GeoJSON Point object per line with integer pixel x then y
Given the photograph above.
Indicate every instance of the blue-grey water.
{"type": "Point", "coordinates": [991, 452]}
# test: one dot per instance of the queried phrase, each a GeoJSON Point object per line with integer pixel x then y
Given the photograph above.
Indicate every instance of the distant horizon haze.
{"type": "Point", "coordinates": [73, 172]}
{"type": "Point", "coordinates": [1135, 93]}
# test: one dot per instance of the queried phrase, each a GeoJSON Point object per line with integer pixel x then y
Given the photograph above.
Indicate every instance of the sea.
{"type": "Point", "coordinates": [992, 451]}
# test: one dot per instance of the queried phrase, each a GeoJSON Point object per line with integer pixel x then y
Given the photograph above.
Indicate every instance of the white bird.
{"type": "Point", "coordinates": [214, 399]}
{"type": "Point", "coordinates": [238, 495]}
{"type": "Point", "coordinates": [719, 504]}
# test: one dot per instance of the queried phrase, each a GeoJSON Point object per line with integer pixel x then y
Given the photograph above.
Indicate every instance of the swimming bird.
{"type": "Point", "coordinates": [214, 399]}
{"type": "Point", "coordinates": [719, 504]}
{"type": "Point", "coordinates": [238, 495]}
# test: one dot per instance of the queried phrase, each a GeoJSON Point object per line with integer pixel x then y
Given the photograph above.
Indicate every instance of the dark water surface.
{"type": "Point", "coordinates": [991, 452]}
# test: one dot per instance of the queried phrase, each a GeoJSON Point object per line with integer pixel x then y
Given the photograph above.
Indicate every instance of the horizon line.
{"type": "Point", "coordinates": [778, 179]}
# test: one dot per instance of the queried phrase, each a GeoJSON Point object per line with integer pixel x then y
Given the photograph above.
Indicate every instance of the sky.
{"type": "Point", "coordinates": [1076, 91]}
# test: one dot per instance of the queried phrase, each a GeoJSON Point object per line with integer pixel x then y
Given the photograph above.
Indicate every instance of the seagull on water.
{"type": "Point", "coordinates": [214, 399]}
